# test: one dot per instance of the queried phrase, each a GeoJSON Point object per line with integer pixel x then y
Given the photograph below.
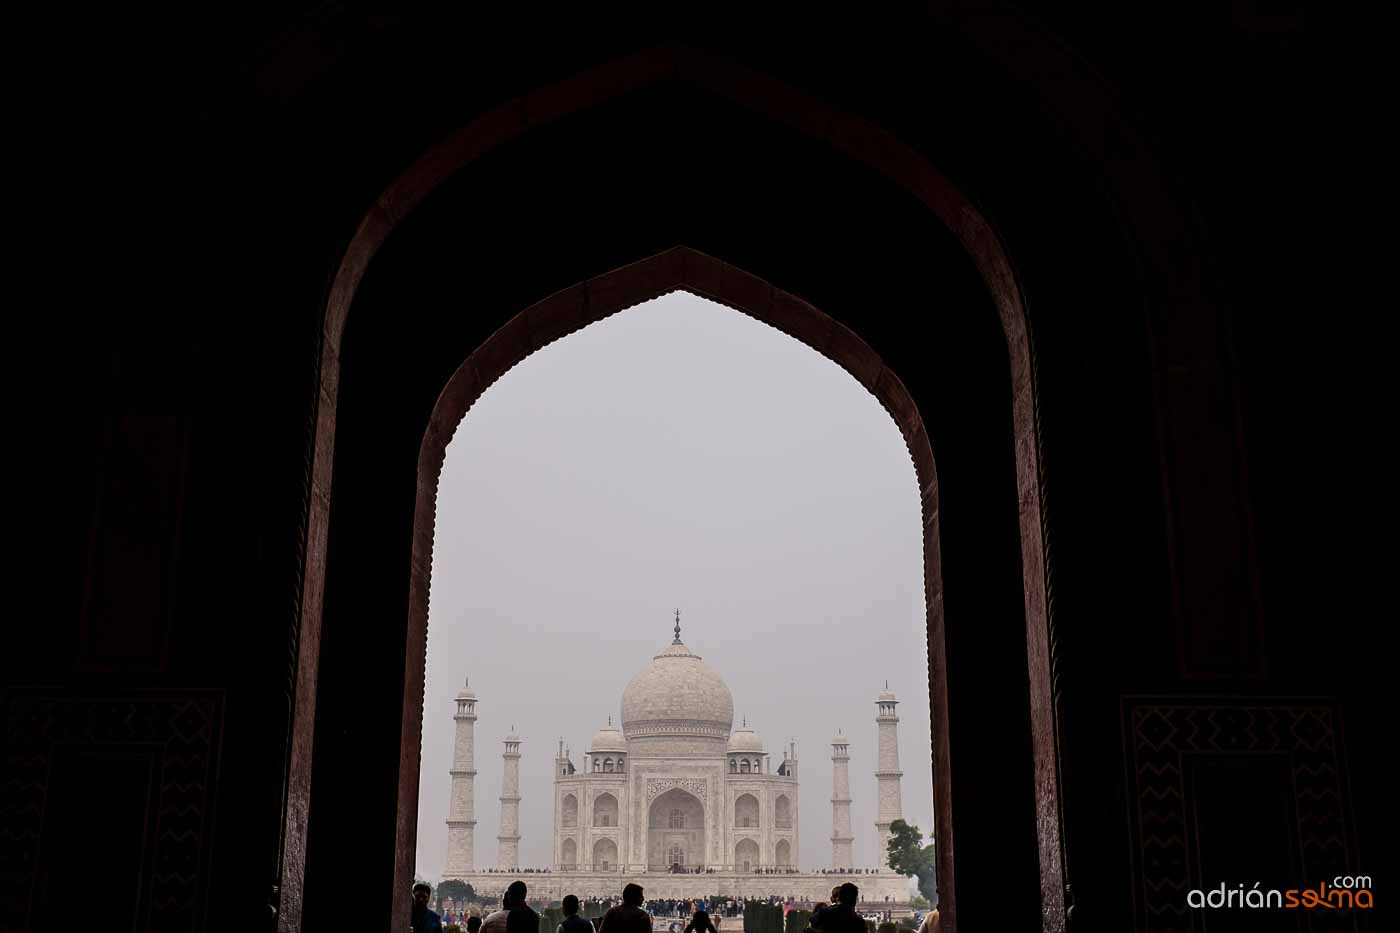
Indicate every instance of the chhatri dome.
{"type": "Point", "coordinates": [677, 694]}
{"type": "Point", "coordinates": [745, 740]}
{"type": "Point", "coordinates": [608, 739]}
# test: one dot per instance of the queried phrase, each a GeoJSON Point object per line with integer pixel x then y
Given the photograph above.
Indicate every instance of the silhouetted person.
{"type": "Point", "coordinates": [573, 923]}
{"type": "Point", "coordinates": [496, 921]}
{"type": "Point", "coordinates": [473, 924]}
{"type": "Point", "coordinates": [820, 910]}
{"type": "Point", "coordinates": [841, 917]}
{"type": "Point", "coordinates": [521, 917]}
{"type": "Point", "coordinates": [700, 923]}
{"type": "Point", "coordinates": [627, 917]}
{"type": "Point", "coordinates": [424, 920]}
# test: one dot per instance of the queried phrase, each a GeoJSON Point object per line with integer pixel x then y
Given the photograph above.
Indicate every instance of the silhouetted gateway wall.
{"type": "Point", "coordinates": [235, 497]}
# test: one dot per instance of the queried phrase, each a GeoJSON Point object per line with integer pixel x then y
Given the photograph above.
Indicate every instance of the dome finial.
{"type": "Point", "coordinates": [678, 628]}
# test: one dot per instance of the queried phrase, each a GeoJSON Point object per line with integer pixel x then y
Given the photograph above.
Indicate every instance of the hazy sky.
{"type": "Point", "coordinates": [676, 455]}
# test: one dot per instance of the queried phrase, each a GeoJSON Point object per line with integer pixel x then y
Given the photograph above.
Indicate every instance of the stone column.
{"type": "Point", "coordinates": [508, 840]}
{"type": "Point", "coordinates": [841, 838]}
{"type": "Point", "coordinates": [461, 808]}
{"type": "Point", "coordinates": [887, 773]}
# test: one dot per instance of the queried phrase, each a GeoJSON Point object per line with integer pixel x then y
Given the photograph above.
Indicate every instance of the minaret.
{"type": "Point", "coordinates": [461, 807]}
{"type": "Point", "coordinates": [508, 840]}
{"type": "Point", "coordinates": [887, 773]}
{"type": "Point", "coordinates": [561, 760]}
{"type": "Point", "coordinates": [841, 838]}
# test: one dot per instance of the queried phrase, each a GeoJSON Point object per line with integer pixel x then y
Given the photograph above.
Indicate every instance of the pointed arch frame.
{"type": "Point", "coordinates": [679, 268]}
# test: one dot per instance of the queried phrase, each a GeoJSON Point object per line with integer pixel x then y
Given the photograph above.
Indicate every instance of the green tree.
{"type": "Point", "coordinates": [762, 917]}
{"type": "Point", "coordinates": [797, 920]}
{"type": "Point", "coordinates": [908, 856]}
{"type": "Point", "coordinates": [454, 889]}
{"type": "Point", "coordinates": [550, 918]}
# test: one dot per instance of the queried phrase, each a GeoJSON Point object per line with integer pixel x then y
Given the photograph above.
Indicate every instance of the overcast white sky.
{"type": "Point", "coordinates": [676, 455]}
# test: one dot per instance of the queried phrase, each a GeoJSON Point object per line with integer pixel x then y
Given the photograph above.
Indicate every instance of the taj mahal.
{"type": "Point", "coordinates": [676, 794]}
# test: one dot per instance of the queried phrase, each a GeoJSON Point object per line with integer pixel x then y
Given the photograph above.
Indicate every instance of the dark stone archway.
{"type": "Point", "coordinates": [555, 317]}
{"type": "Point", "coordinates": [229, 499]}
{"type": "Point", "coordinates": [953, 294]}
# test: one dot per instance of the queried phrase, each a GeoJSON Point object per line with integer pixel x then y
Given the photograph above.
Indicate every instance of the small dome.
{"type": "Point", "coordinates": [745, 740]}
{"type": "Point", "coordinates": [840, 740]}
{"type": "Point", "coordinates": [608, 739]}
{"type": "Point", "coordinates": [886, 696]}
{"type": "Point", "coordinates": [466, 693]}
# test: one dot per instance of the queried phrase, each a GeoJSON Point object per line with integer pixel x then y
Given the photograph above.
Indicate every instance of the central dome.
{"type": "Point", "coordinates": [677, 694]}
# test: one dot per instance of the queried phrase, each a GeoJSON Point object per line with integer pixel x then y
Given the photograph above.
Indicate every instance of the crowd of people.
{"type": "Point", "coordinates": [515, 871]}
{"type": "Point", "coordinates": [631, 915]}
{"type": "Point", "coordinates": [597, 906]}
{"type": "Point", "coordinates": [848, 871]}
{"type": "Point", "coordinates": [683, 870]}
{"type": "Point", "coordinates": [676, 907]}
{"type": "Point", "coordinates": [777, 871]}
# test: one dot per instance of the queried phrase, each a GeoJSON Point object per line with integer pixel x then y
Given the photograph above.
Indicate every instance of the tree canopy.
{"type": "Point", "coordinates": [908, 856]}
{"type": "Point", "coordinates": [455, 890]}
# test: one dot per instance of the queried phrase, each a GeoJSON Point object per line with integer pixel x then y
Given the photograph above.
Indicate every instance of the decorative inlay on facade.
{"type": "Point", "coordinates": [676, 727]}
{"type": "Point", "coordinates": [658, 786]}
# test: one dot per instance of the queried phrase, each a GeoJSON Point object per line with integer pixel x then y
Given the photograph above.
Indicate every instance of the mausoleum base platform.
{"type": "Point", "coordinates": [884, 887]}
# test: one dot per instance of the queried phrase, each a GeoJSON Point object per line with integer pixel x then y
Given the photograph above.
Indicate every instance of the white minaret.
{"type": "Point", "coordinates": [461, 808]}
{"type": "Point", "coordinates": [508, 840]}
{"type": "Point", "coordinates": [887, 773]}
{"type": "Point", "coordinates": [841, 838]}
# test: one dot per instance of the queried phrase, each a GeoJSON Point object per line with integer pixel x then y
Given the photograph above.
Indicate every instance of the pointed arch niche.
{"type": "Point", "coordinates": [685, 269]}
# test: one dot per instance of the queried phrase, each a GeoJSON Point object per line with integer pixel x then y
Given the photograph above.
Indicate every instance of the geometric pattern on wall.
{"type": "Point", "coordinates": [178, 729]}
{"type": "Point", "coordinates": [1161, 736]}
